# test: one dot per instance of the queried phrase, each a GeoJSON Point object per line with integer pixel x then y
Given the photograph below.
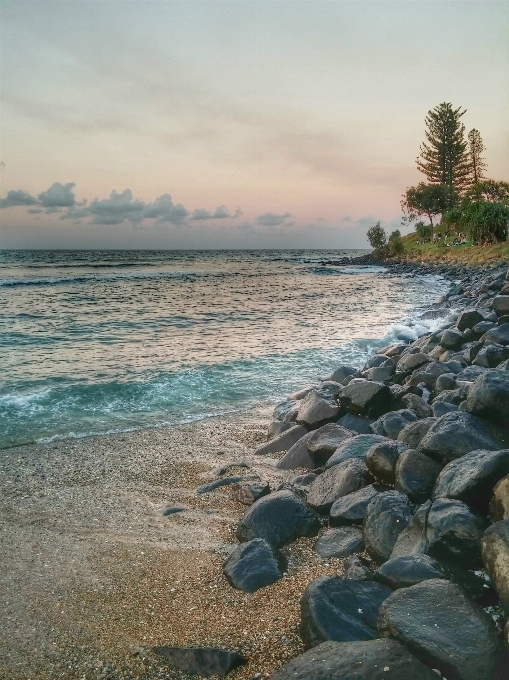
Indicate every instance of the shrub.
{"type": "Point", "coordinates": [485, 222]}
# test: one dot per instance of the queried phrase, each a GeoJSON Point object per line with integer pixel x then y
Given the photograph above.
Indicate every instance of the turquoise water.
{"type": "Point", "coordinates": [95, 342]}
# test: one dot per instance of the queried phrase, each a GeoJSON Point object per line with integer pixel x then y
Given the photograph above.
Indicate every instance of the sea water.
{"type": "Point", "coordinates": [108, 341]}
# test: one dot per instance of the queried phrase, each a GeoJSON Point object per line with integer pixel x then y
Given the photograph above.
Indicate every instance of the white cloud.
{"type": "Point", "coordinates": [16, 198]}
{"type": "Point", "coordinates": [58, 196]}
{"type": "Point", "coordinates": [269, 219]}
{"type": "Point", "coordinates": [164, 210]}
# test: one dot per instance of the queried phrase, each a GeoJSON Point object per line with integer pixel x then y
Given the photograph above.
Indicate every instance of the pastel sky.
{"type": "Point", "coordinates": [233, 124]}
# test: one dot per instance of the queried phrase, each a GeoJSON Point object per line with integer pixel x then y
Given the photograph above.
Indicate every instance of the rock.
{"type": "Point", "coordinates": [417, 404]}
{"type": "Point", "coordinates": [224, 481]}
{"type": "Point", "coordinates": [495, 554]}
{"type": "Point", "coordinates": [504, 366]}
{"type": "Point", "coordinates": [282, 442]}
{"type": "Point", "coordinates": [351, 509]}
{"type": "Point", "coordinates": [366, 397]}
{"type": "Point", "coordinates": [470, 373]}
{"type": "Point", "coordinates": [298, 455]}
{"type": "Point", "coordinates": [300, 394]}
{"type": "Point", "coordinates": [173, 510]}
{"type": "Point", "coordinates": [409, 362]}
{"type": "Point", "coordinates": [377, 360]}
{"type": "Point", "coordinates": [500, 334]}
{"type": "Point", "coordinates": [203, 661]}
{"type": "Point", "coordinates": [357, 569]}
{"type": "Point", "coordinates": [472, 477]}
{"type": "Point", "coordinates": [455, 434]}
{"type": "Point", "coordinates": [491, 355]}
{"type": "Point", "coordinates": [277, 427]}
{"type": "Point", "coordinates": [340, 609]}
{"type": "Point", "coordinates": [454, 532]}
{"type": "Point", "coordinates": [336, 482]}
{"type": "Point", "coordinates": [253, 565]}
{"type": "Point", "coordinates": [429, 374]}
{"type": "Point", "coordinates": [317, 408]}
{"type": "Point", "coordinates": [302, 482]}
{"type": "Point", "coordinates": [488, 397]}
{"type": "Point", "coordinates": [391, 424]}
{"type": "Point", "coordinates": [483, 327]}
{"type": "Point", "coordinates": [446, 381]}
{"type": "Point", "coordinates": [285, 410]}
{"type": "Point", "coordinates": [386, 517]}
{"type": "Point", "coordinates": [325, 441]}
{"type": "Point", "coordinates": [249, 492]}
{"type": "Point", "coordinates": [500, 305]}
{"type": "Point", "coordinates": [452, 338]}
{"type": "Point", "coordinates": [412, 540]}
{"type": "Point", "coordinates": [331, 388]}
{"type": "Point", "coordinates": [368, 660]}
{"type": "Point", "coordinates": [443, 628]}
{"type": "Point", "coordinates": [407, 570]}
{"type": "Point", "coordinates": [416, 475]}
{"type": "Point", "coordinates": [441, 408]}
{"type": "Point", "coordinates": [279, 518]}
{"type": "Point", "coordinates": [412, 434]}
{"type": "Point", "coordinates": [357, 447]}
{"type": "Point", "coordinates": [381, 460]}
{"type": "Point", "coordinates": [223, 469]}
{"type": "Point", "coordinates": [468, 318]}
{"type": "Point", "coordinates": [499, 505]}
{"type": "Point", "coordinates": [356, 423]}
{"type": "Point", "coordinates": [342, 372]}
{"type": "Point", "coordinates": [380, 373]}
{"type": "Point", "coordinates": [339, 542]}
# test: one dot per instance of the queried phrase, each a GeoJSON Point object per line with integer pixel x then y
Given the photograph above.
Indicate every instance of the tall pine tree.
{"type": "Point", "coordinates": [445, 158]}
{"type": "Point", "coordinates": [475, 149]}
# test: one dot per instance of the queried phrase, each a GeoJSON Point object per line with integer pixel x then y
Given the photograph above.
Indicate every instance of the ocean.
{"type": "Point", "coordinates": [112, 341]}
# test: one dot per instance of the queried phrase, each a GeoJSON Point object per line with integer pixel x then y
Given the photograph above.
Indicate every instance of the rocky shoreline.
{"type": "Point", "coordinates": [406, 462]}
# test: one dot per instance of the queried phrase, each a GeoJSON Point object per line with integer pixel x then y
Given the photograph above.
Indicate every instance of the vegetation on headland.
{"type": "Point", "coordinates": [466, 215]}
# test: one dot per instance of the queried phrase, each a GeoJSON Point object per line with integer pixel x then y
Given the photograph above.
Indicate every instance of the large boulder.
{"type": "Point", "coordinates": [488, 397]}
{"type": "Point", "coordinates": [253, 565]}
{"type": "Point", "coordinates": [500, 334]}
{"type": "Point", "coordinates": [416, 475]}
{"type": "Point", "coordinates": [339, 542]}
{"type": "Point", "coordinates": [452, 338]}
{"type": "Point", "coordinates": [282, 442]}
{"type": "Point", "coordinates": [340, 609]}
{"type": "Point", "coordinates": [357, 568]}
{"type": "Point", "coordinates": [342, 372]}
{"type": "Point", "coordinates": [499, 504]}
{"type": "Point", "coordinates": [391, 424]}
{"type": "Point", "coordinates": [495, 554]}
{"type": "Point", "coordinates": [415, 403]}
{"type": "Point", "coordinates": [491, 355]}
{"type": "Point", "coordinates": [468, 318]}
{"type": "Point", "coordinates": [202, 661]}
{"type": "Point", "coordinates": [249, 492]}
{"type": "Point", "coordinates": [444, 629]}
{"type": "Point", "coordinates": [298, 455]}
{"type": "Point", "coordinates": [336, 482]}
{"type": "Point", "coordinates": [351, 509]}
{"type": "Point", "coordinates": [409, 362]}
{"type": "Point", "coordinates": [472, 477]}
{"type": "Point", "coordinates": [279, 518]}
{"type": "Point", "coordinates": [412, 434]}
{"type": "Point", "coordinates": [356, 447]}
{"type": "Point", "coordinates": [412, 540]}
{"type": "Point", "coordinates": [324, 441]}
{"type": "Point", "coordinates": [368, 660]}
{"type": "Point", "coordinates": [429, 373]}
{"type": "Point", "coordinates": [386, 516]}
{"type": "Point", "coordinates": [366, 397]}
{"type": "Point", "coordinates": [407, 570]}
{"type": "Point", "coordinates": [317, 408]}
{"type": "Point", "coordinates": [357, 424]}
{"type": "Point", "coordinates": [458, 433]}
{"type": "Point", "coordinates": [381, 460]}
{"type": "Point", "coordinates": [500, 305]}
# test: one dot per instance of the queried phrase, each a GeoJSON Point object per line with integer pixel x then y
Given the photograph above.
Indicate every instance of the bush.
{"type": "Point", "coordinates": [395, 244]}
{"type": "Point", "coordinates": [422, 230]}
{"type": "Point", "coordinates": [377, 237]}
{"type": "Point", "coordinates": [485, 222]}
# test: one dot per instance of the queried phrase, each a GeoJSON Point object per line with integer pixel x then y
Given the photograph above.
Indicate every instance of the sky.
{"type": "Point", "coordinates": [233, 123]}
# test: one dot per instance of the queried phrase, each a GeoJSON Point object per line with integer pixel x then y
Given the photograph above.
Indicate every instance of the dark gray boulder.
{"type": "Point", "coordinates": [356, 424]}
{"type": "Point", "coordinates": [444, 629]}
{"type": "Point", "coordinates": [366, 397]}
{"type": "Point", "coordinates": [336, 482]}
{"type": "Point", "coordinates": [297, 456]}
{"type": "Point", "coordinates": [412, 540]}
{"type": "Point", "coordinates": [407, 570]}
{"type": "Point", "coordinates": [249, 492]}
{"type": "Point", "coordinates": [339, 542]}
{"type": "Point", "coordinates": [366, 660]}
{"type": "Point", "coordinates": [208, 487]}
{"type": "Point", "coordinates": [317, 408]}
{"type": "Point", "coordinates": [357, 568]}
{"type": "Point", "coordinates": [203, 661]}
{"type": "Point", "coordinates": [428, 374]}
{"type": "Point", "coordinates": [417, 404]}
{"type": "Point", "coordinates": [409, 362]}
{"type": "Point", "coordinates": [488, 397]}
{"type": "Point", "coordinates": [391, 424]}
{"type": "Point", "coordinates": [380, 373]}
{"type": "Point", "coordinates": [470, 373]}
{"type": "Point", "coordinates": [491, 355]}
{"type": "Point", "coordinates": [412, 434]}
{"type": "Point", "coordinates": [324, 441]}
{"type": "Point", "coordinates": [454, 532]}
{"type": "Point", "coordinates": [283, 441]}
{"type": "Point", "coordinates": [472, 477]}
{"type": "Point", "coordinates": [351, 509]}
{"type": "Point", "coordinates": [279, 518]}
{"type": "Point", "coordinates": [386, 516]}
{"type": "Point", "coordinates": [499, 504]}
{"type": "Point", "coordinates": [452, 338]}
{"type": "Point", "coordinates": [495, 554]}
{"type": "Point", "coordinates": [357, 447]}
{"type": "Point", "coordinates": [301, 482]}
{"type": "Point", "coordinates": [381, 460]}
{"type": "Point", "coordinates": [340, 609]}
{"type": "Point", "coordinates": [342, 372]}
{"type": "Point", "coordinates": [446, 381]}
{"type": "Point", "coordinates": [442, 408]}
{"type": "Point", "coordinates": [455, 434]}
{"type": "Point", "coordinates": [416, 475]}
{"type": "Point", "coordinates": [468, 318]}
{"type": "Point", "coordinates": [253, 565]}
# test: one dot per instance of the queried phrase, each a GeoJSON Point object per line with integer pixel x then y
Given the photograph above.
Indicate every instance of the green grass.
{"type": "Point", "coordinates": [465, 254]}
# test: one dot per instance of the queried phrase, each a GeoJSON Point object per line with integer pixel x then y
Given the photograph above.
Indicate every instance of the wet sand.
{"type": "Point", "coordinates": [93, 575]}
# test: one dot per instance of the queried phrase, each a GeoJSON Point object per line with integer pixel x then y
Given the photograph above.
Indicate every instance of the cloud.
{"type": "Point", "coordinates": [164, 210]}
{"type": "Point", "coordinates": [269, 219]}
{"type": "Point", "coordinates": [220, 213]}
{"type": "Point", "coordinates": [58, 196]}
{"type": "Point", "coordinates": [34, 211]}
{"type": "Point", "coordinates": [15, 198]}
{"type": "Point", "coordinates": [115, 209]}
{"type": "Point", "coordinates": [346, 218]}
{"type": "Point", "coordinates": [245, 226]}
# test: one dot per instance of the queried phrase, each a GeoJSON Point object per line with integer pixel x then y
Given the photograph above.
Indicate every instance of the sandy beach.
{"type": "Point", "coordinates": [93, 574]}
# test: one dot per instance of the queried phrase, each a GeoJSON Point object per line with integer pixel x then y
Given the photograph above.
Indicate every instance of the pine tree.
{"type": "Point", "coordinates": [475, 148]}
{"type": "Point", "coordinates": [445, 158]}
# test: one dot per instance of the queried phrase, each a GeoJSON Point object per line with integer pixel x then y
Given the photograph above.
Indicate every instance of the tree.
{"type": "Point", "coordinates": [395, 243]}
{"type": "Point", "coordinates": [423, 230]}
{"type": "Point", "coordinates": [475, 149]}
{"type": "Point", "coordinates": [489, 191]}
{"type": "Point", "coordinates": [485, 222]}
{"type": "Point", "coordinates": [427, 199]}
{"type": "Point", "coordinates": [445, 158]}
{"type": "Point", "coordinates": [377, 237]}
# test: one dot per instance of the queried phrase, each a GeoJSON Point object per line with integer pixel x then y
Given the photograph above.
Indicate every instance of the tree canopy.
{"type": "Point", "coordinates": [427, 199]}
{"type": "Point", "coordinates": [377, 237]}
{"type": "Point", "coordinates": [475, 149]}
